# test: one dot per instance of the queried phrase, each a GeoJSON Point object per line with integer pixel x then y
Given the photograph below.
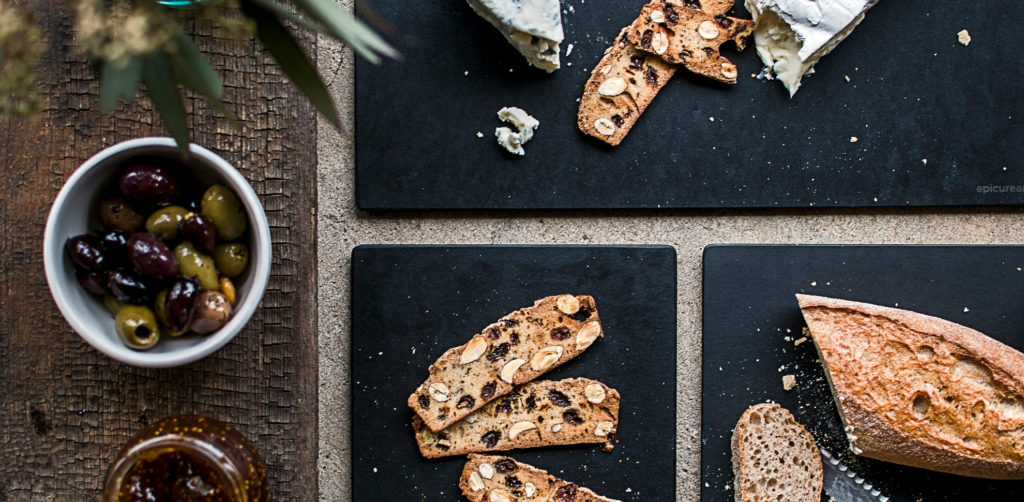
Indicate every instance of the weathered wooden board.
{"type": "Point", "coordinates": [65, 409]}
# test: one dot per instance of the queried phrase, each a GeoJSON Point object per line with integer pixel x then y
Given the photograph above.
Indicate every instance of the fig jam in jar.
{"type": "Point", "coordinates": [187, 458]}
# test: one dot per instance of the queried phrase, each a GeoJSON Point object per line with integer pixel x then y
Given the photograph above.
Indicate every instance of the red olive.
{"type": "Point", "coordinates": [151, 257]}
{"type": "Point", "coordinates": [128, 286]}
{"type": "Point", "coordinates": [199, 230]}
{"type": "Point", "coordinates": [93, 282]}
{"type": "Point", "coordinates": [148, 184]}
{"type": "Point", "coordinates": [181, 304]}
{"type": "Point", "coordinates": [86, 252]}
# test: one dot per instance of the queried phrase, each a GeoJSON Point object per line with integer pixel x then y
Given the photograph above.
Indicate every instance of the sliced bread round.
{"type": "Point", "coordinates": [774, 458]}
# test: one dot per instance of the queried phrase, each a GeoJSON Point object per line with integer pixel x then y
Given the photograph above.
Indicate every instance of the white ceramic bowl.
{"type": "Point", "coordinates": [75, 212]}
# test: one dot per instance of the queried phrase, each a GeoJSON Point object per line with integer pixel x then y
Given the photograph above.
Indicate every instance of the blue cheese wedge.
{"type": "Point", "coordinates": [524, 124]}
{"type": "Point", "coordinates": [792, 35]}
{"type": "Point", "coordinates": [533, 27]}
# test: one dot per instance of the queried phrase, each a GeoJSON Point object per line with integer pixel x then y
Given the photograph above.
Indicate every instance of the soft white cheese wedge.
{"type": "Point", "coordinates": [792, 35]}
{"type": "Point", "coordinates": [533, 27]}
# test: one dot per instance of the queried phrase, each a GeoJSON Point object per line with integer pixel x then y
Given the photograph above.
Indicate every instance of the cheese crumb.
{"type": "Point", "coordinates": [568, 50]}
{"type": "Point", "coordinates": [964, 38]}
{"type": "Point", "coordinates": [788, 382]}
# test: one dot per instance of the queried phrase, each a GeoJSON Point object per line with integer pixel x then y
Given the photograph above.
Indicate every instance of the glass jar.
{"type": "Point", "coordinates": [185, 458]}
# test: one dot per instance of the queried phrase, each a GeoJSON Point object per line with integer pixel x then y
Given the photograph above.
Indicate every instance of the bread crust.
{"type": "Point", "coordinates": [921, 391]}
{"type": "Point", "coordinates": [530, 483]}
{"type": "Point", "coordinates": [592, 408]}
{"type": "Point", "coordinates": [539, 338]}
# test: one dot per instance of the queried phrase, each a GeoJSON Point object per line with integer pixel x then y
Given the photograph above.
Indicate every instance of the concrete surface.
{"type": "Point", "coordinates": [342, 226]}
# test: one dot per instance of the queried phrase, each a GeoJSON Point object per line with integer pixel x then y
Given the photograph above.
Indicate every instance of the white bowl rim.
{"type": "Point", "coordinates": [53, 249]}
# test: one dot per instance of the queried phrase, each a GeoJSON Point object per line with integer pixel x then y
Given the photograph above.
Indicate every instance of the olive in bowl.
{"type": "Point", "coordinates": [137, 265]}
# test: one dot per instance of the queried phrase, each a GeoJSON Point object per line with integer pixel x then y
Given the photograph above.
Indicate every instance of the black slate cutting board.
{"type": "Point", "coordinates": [937, 124]}
{"type": "Point", "coordinates": [410, 304]}
{"type": "Point", "coordinates": [750, 311]}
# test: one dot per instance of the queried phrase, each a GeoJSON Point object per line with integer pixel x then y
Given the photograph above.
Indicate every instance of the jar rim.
{"type": "Point", "coordinates": [217, 459]}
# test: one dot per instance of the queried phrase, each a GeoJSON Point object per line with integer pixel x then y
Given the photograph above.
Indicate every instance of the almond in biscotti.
{"type": "Point", "coordinates": [515, 481]}
{"type": "Point", "coordinates": [921, 391]}
{"type": "Point", "coordinates": [691, 37]}
{"type": "Point", "coordinates": [535, 414]}
{"type": "Point", "coordinates": [517, 349]}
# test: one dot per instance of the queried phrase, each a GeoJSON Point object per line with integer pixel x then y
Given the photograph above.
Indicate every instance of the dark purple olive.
{"type": "Point", "coordinates": [86, 252]}
{"type": "Point", "coordinates": [151, 257]}
{"type": "Point", "coordinates": [199, 230]}
{"type": "Point", "coordinates": [181, 304]}
{"type": "Point", "coordinates": [128, 286]}
{"type": "Point", "coordinates": [148, 184]}
{"type": "Point", "coordinates": [115, 247]}
{"type": "Point", "coordinates": [93, 282]}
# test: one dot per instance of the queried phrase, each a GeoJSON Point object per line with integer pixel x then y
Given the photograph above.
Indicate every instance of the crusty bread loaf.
{"type": "Point", "coordinates": [519, 347]}
{"type": "Point", "coordinates": [489, 478]}
{"type": "Point", "coordinates": [690, 36]}
{"type": "Point", "coordinates": [538, 413]}
{"type": "Point", "coordinates": [921, 391]}
{"type": "Point", "coordinates": [774, 457]}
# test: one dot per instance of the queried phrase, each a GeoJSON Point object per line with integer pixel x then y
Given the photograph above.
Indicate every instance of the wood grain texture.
{"type": "Point", "coordinates": [66, 409]}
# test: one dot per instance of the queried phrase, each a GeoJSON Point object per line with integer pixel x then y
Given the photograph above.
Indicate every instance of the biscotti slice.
{"type": "Point", "coordinates": [535, 414]}
{"type": "Point", "coordinates": [921, 391]}
{"type": "Point", "coordinates": [774, 457]}
{"type": "Point", "coordinates": [490, 478]}
{"type": "Point", "coordinates": [692, 37]}
{"type": "Point", "coordinates": [519, 347]}
{"type": "Point", "coordinates": [619, 90]}
{"type": "Point", "coordinates": [627, 78]}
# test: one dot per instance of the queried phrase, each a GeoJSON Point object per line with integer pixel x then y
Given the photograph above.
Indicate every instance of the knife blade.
{"type": "Point", "coordinates": [844, 485]}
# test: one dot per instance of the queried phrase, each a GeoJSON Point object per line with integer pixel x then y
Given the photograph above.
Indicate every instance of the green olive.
{"type": "Point", "coordinates": [192, 263]}
{"type": "Point", "coordinates": [160, 308]}
{"type": "Point", "coordinates": [137, 327]}
{"type": "Point", "coordinates": [117, 214]}
{"type": "Point", "coordinates": [223, 208]}
{"type": "Point", "coordinates": [231, 258]}
{"type": "Point", "coordinates": [164, 222]}
{"type": "Point", "coordinates": [112, 304]}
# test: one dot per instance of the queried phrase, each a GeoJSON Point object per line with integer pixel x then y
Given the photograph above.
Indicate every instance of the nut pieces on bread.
{"type": "Point", "coordinates": [489, 478]}
{"type": "Point", "coordinates": [539, 413]}
{"type": "Point", "coordinates": [519, 347]}
{"type": "Point", "coordinates": [646, 54]}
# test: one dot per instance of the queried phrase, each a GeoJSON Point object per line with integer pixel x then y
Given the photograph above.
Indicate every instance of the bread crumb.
{"type": "Point", "coordinates": [788, 382]}
{"type": "Point", "coordinates": [799, 341]}
{"type": "Point", "coordinates": [813, 284]}
{"type": "Point", "coordinates": [964, 38]}
{"type": "Point", "coordinates": [846, 78]}
{"type": "Point", "coordinates": [853, 139]}
{"type": "Point", "coordinates": [568, 50]}
{"type": "Point", "coordinates": [479, 134]}
{"type": "Point", "coordinates": [966, 309]}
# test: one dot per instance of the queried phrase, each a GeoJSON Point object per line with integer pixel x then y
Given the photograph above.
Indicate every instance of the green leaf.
{"type": "Point", "coordinates": [289, 56]}
{"type": "Point", "coordinates": [163, 89]}
{"type": "Point", "coordinates": [193, 70]}
{"type": "Point", "coordinates": [273, 6]}
{"type": "Point", "coordinates": [119, 81]}
{"type": "Point", "coordinates": [344, 26]}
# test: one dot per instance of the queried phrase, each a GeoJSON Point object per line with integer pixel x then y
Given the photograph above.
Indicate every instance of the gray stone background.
{"type": "Point", "coordinates": [341, 227]}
